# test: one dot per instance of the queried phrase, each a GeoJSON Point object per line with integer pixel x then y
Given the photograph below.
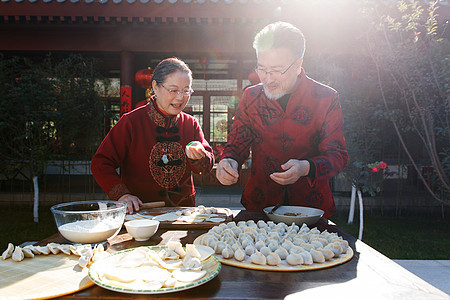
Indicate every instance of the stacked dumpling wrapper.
{"type": "Point", "coordinates": [267, 243]}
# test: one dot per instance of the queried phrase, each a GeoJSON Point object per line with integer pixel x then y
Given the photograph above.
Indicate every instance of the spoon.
{"type": "Point", "coordinates": [275, 207]}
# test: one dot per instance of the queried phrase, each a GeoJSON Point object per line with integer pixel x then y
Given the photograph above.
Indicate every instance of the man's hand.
{"type": "Point", "coordinates": [293, 170]}
{"type": "Point", "coordinates": [227, 171]}
{"type": "Point", "coordinates": [133, 202]}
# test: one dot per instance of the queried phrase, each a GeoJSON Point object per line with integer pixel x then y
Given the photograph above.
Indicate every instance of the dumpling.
{"type": "Point", "coordinates": [212, 243]}
{"type": "Point", "coordinates": [227, 252]}
{"type": "Point", "coordinates": [242, 224]}
{"type": "Point", "coordinates": [259, 244]}
{"type": "Point", "coordinates": [282, 253]}
{"type": "Point", "coordinates": [36, 252]}
{"type": "Point", "coordinates": [294, 259]}
{"type": "Point", "coordinates": [191, 251]}
{"type": "Point", "coordinates": [294, 227]}
{"type": "Point", "coordinates": [323, 241]}
{"type": "Point", "coordinates": [239, 254]}
{"type": "Point", "coordinates": [273, 259]}
{"type": "Point", "coordinates": [219, 247]}
{"type": "Point", "coordinates": [17, 255]}
{"type": "Point", "coordinates": [246, 242]}
{"type": "Point", "coordinates": [235, 246]}
{"type": "Point", "coordinates": [258, 258]}
{"type": "Point", "coordinates": [66, 248]}
{"type": "Point", "coordinates": [192, 263]}
{"type": "Point", "coordinates": [270, 224]}
{"type": "Point", "coordinates": [335, 248]}
{"type": "Point", "coordinates": [27, 252]}
{"type": "Point", "coordinates": [328, 254]}
{"type": "Point", "coordinates": [177, 247]}
{"type": "Point", "coordinates": [306, 246]}
{"type": "Point", "coordinates": [53, 247]}
{"type": "Point", "coordinates": [316, 244]}
{"type": "Point", "coordinates": [261, 224]}
{"type": "Point", "coordinates": [273, 245]}
{"type": "Point", "coordinates": [307, 258]}
{"type": "Point", "coordinates": [8, 252]}
{"type": "Point", "coordinates": [42, 250]}
{"type": "Point", "coordinates": [231, 224]}
{"type": "Point", "coordinates": [317, 256]}
{"type": "Point", "coordinates": [250, 249]}
{"type": "Point", "coordinates": [169, 255]}
{"type": "Point", "coordinates": [287, 244]}
{"type": "Point", "coordinates": [265, 251]}
{"type": "Point", "coordinates": [304, 228]}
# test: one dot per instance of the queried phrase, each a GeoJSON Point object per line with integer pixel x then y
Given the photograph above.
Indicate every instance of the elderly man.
{"type": "Point", "coordinates": [293, 126]}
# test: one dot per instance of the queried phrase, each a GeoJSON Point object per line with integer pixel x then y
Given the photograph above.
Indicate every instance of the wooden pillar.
{"type": "Point", "coordinates": [126, 81]}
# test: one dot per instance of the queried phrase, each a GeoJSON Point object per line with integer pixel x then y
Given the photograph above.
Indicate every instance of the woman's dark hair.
{"type": "Point", "coordinates": [169, 66]}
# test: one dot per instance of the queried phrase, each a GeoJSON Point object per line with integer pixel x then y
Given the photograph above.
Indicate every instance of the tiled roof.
{"type": "Point", "coordinates": [162, 11]}
{"type": "Point", "coordinates": [142, 1]}
{"type": "Point", "coordinates": [441, 2]}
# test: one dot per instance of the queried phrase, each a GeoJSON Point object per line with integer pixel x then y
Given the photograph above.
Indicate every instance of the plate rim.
{"type": "Point", "coordinates": [189, 285]}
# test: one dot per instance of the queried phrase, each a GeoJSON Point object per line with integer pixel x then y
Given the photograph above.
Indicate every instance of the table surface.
{"type": "Point", "coordinates": [368, 275]}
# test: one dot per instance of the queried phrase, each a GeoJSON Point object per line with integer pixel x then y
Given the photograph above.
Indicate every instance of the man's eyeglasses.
{"type": "Point", "coordinates": [274, 74]}
{"type": "Point", "coordinates": [174, 93]}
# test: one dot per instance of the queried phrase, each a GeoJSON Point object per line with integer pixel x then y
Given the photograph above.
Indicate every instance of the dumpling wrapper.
{"type": "Point", "coordinates": [133, 259]}
{"type": "Point", "coordinates": [205, 252]}
{"type": "Point", "coordinates": [143, 216]}
{"type": "Point", "coordinates": [188, 276]}
{"type": "Point", "coordinates": [154, 274]}
{"type": "Point", "coordinates": [132, 217]}
{"type": "Point", "coordinates": [123, 275]}
{"type": "Point", "coordinates": [216, 219]}
{"type": "Point", "coordinates": [169, 217]}
{"type": "Point", "coordinates": [170, 264]}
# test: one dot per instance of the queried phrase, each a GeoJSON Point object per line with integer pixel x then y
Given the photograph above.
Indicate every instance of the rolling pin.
{"type": "Point", "coordinates": [153, 204]}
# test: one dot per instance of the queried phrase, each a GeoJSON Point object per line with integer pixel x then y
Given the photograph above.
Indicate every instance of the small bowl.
{"type": "Point", "coordinates": [306, 215]}
{"type": "Point", "coordinates": [89, 222]}
{"type": "Point", "coordinates": [142, 230]}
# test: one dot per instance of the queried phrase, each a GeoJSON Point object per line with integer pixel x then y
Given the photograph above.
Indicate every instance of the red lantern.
{"type": "Point", "coordinates": [253, 77]}
{"type": "Point", "coordinates": [144, 78]}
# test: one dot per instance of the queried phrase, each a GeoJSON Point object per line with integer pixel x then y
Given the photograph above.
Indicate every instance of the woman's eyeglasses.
{"type": "Point", "coordinates": [174, 93]}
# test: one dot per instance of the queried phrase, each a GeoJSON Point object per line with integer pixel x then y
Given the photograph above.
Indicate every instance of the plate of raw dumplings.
{"type": "Point", "coordinates": [156, 269]}
{"type": "Point", "coordinates": [276, 247]}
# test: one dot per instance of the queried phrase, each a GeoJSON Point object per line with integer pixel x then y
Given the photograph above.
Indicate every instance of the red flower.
{"type": "Point", "coordinates": [374, 169]}
{"type": "Point", "coordinates": [382, 165]}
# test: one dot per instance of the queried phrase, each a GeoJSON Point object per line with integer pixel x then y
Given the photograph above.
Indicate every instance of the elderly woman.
{"type": "Point", "coordinates": [156, 146]}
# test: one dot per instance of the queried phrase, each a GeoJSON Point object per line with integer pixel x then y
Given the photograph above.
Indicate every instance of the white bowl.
{"type": "Point", "coordinates": [89, 222]}
{"type": "Point", "coordinates": [142, 230]}
{"type": "Point", "coordinates": [307, 215]}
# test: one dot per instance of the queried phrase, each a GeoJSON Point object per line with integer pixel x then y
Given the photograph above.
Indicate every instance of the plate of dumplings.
{"type": "Point", "coordinates": [275, 247]}
{"type": "Point", "coordinates": [156, 269]}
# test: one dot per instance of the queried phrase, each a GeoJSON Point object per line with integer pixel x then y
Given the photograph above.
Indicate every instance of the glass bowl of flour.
{"type": "Point", "coordinates": [89, 222]}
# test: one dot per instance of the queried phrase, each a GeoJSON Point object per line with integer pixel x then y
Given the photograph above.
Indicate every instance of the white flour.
{"type": "Point", "coordinates": [89, 231]}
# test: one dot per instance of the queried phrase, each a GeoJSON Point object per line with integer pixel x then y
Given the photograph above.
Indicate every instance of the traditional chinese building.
{"type": "Point", "coordinates": [213, 36]}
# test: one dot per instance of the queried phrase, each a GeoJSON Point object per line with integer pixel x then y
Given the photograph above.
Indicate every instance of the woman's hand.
{"type": "Point", "coordinates": [133, 202]}
{"type": "Point", "coordinates": [195, 150]}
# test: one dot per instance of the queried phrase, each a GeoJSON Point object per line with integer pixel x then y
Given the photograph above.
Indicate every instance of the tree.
{"type": "Point", "coordinates": [47, 109]}
{"type": "Point", "coordinates": [412, 68]}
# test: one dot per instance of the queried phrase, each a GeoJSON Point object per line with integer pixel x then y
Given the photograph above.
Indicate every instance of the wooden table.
{"type": "Point", "coordinates": [368, 275]}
